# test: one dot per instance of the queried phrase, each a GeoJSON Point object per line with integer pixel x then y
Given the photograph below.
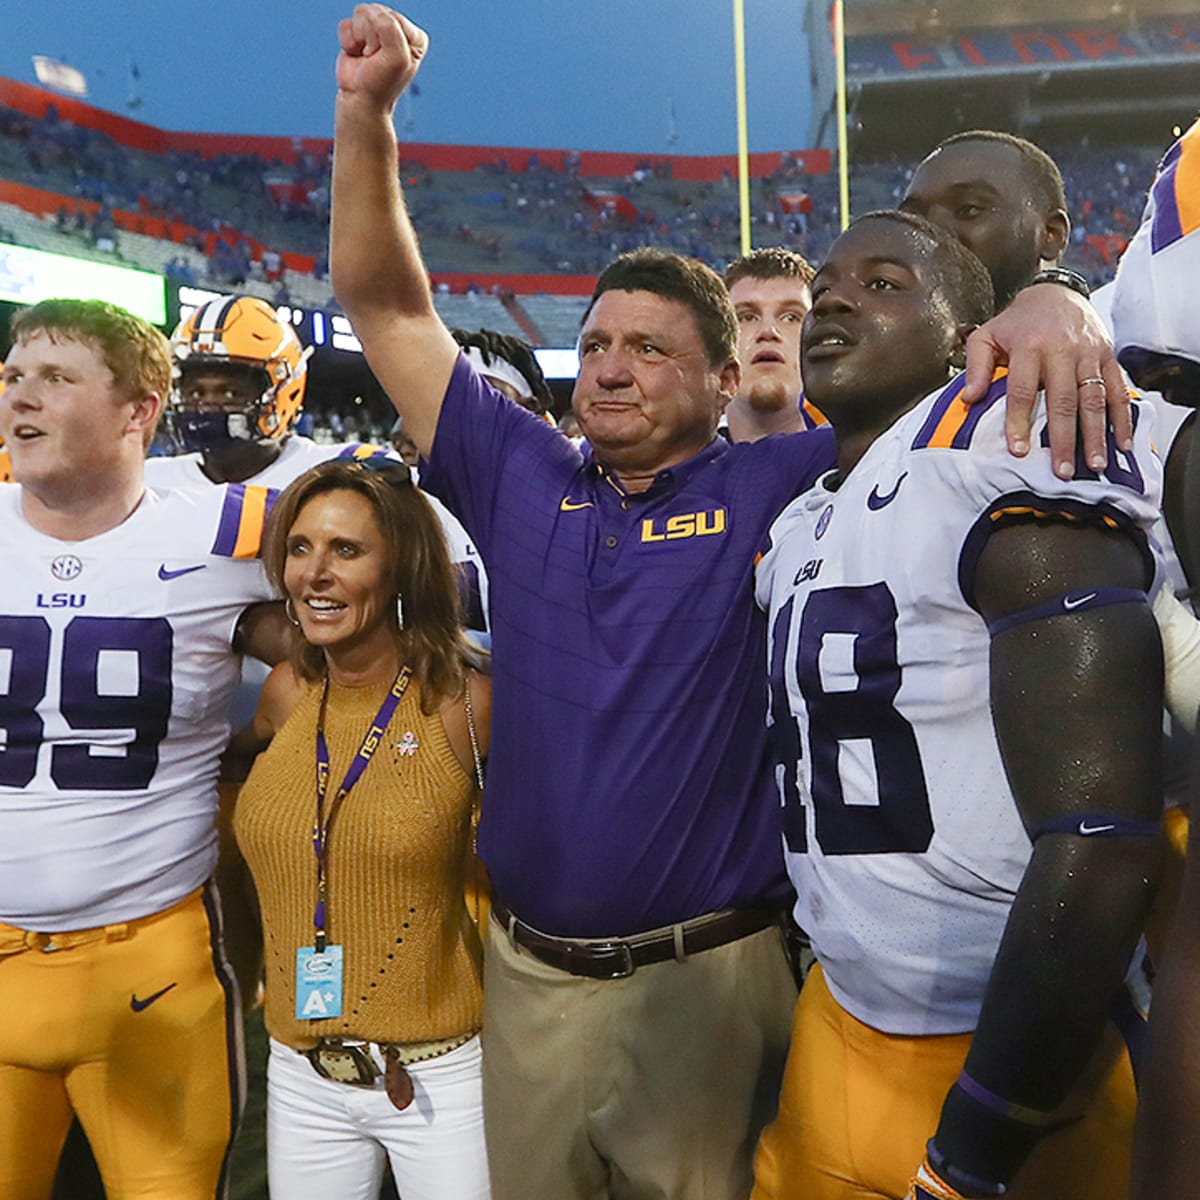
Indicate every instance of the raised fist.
{"type": "Point", "coordinates": [381, 51]}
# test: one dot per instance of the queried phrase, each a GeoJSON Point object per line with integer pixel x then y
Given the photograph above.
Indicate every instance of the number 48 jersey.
{"type": "Point", "coordinates": [116, 668]}
{"type": "Point", "coordinates": [902, 837]}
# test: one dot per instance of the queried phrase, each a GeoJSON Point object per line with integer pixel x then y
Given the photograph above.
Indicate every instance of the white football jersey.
{"type": "Point", "coordinates": [1152, 309]}
{"type": "Point", "coordinates": [902, 837]}
{"type": "Point", "coordinates": [1169, 419]}
{"type": "Point", "coordinates": [296, 456]}
{"type": "Point", "coordinates": [116, 669]}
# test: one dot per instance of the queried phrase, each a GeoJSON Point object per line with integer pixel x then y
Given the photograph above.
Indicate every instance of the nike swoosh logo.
{"type": "Point", "coordinates": [164, 574]}
{"type": "Point", "coordinates": [1070, 602]}
{"type": "Point", "coordinates": [568, 506]}
{"type": "Point", "coordinates": [1086, 829]}
{"type": "Point", "coordinates": [875, 501]}
{"type": "Point", "coordinates": [137, 1005]}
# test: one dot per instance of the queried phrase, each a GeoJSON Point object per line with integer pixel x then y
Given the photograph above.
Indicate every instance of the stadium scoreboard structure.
{"type": "Point", "coordinates": [27, 276]}
{"type": "Point", "coordinates": [331, 331]}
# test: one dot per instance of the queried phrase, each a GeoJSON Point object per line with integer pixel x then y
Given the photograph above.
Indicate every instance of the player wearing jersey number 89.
{"type": "Point", "coordinates": [123, 612]}
{"type": "Point", "coordinates": [927, 588]}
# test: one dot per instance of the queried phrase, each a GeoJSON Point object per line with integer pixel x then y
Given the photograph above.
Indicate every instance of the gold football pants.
{"type": "Point", "coordinates": [136, 1028]}
{"type": "Point", "coordinates": [858, 1106]}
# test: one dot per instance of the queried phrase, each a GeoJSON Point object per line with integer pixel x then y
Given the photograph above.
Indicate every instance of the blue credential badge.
{"type": "Point", "coordinates": [318, 983]}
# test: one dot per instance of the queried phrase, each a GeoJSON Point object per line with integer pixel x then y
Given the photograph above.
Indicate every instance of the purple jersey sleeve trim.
{"type": "Point", "coordinates": [1167, 226]}
{"type": "Point", "coordinates": [1019, 507]}
{"type": "Point", "coordinates": [231, 519]}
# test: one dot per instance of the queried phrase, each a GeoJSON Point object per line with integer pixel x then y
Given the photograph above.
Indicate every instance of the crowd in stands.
{"type": "Point", "coordinates": [519, 217]}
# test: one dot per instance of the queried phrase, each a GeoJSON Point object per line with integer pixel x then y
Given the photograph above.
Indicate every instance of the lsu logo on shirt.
{"type": "Point", "coordinates": [684, 525]}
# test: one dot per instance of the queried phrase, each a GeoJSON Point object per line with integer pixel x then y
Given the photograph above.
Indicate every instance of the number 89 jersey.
{"type": "Point", "coordinates": [116, 668]}
{"type": "Point", "coordinates": [902, 837]}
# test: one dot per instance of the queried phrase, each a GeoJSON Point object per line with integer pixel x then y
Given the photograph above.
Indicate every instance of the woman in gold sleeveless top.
{"type": "Point", "coordinates": [356, 822]}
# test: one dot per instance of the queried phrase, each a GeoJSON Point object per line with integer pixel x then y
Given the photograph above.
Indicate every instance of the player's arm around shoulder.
{"type": "Point", "coordinates": [277, 701]}
{"type": "Point", "coordinates": [1054, 344]}
{"type": "Point", "coordinates": [263, 632]}
{"type": "Point", "coordinates": [375, 264]}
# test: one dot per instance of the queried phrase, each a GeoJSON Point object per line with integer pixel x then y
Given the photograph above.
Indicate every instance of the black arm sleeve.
{"type": "Point", "coordinates": [1077, 704]}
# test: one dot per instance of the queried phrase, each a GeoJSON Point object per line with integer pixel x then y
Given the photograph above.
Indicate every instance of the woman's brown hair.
{"type": "Point", "coordinates": [421, 574]}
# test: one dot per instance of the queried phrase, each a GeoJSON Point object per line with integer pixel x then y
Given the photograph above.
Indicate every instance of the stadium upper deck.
{"type": "Point", "coordinates": [503, 228]}
{"type": "Point", "coordinates": [1106, 70]}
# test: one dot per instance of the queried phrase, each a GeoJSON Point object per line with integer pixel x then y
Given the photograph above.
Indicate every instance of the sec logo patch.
{"type": "Point", "coordinates": [65, 566]}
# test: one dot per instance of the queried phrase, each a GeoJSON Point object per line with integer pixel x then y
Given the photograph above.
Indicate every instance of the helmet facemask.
{"type": "Point", "coordinates": [243, 341]}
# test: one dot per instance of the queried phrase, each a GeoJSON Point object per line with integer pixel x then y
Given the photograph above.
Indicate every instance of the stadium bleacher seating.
{"type": "Point", "coordinates": [476, 226]}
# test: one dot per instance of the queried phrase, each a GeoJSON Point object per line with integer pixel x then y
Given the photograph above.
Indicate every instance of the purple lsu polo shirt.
{"type": "Point", "coordinates": [629, 780]}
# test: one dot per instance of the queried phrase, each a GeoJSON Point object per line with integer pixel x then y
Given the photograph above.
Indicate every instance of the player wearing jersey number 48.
{"type": "Point", "coordinates": [965, 698]}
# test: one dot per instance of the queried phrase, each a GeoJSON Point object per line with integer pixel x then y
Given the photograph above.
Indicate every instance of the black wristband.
{"type": "Point", "coordinates": [966, 1185]}
{"type": "Point", "coordinates": [1064, 278]}
{"type": "Point", "coordinates": [981, 1143]}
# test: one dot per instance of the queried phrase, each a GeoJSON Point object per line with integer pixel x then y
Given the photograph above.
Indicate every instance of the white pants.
{"type": "Point", "coordinates": [326, 1140]}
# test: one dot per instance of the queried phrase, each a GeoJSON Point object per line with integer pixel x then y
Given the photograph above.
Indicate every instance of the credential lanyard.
{"type": "Point", "coordinates": [323, 825]}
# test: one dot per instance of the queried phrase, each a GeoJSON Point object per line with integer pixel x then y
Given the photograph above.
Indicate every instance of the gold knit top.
{"type": "Point", "coordinates": [398, 859]}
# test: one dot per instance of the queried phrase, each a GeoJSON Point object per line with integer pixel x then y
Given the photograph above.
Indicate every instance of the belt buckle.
{"type": "Point", "coordinates": [593, 953]}
{"type": "Point", "coordinates": [349, 1064]}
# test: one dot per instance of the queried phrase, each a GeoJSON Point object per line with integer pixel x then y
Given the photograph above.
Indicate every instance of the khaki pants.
{"type": "Point", "coordinates": [858, 1107]}
{"type": "Point", "coordinates": [652, 1086]}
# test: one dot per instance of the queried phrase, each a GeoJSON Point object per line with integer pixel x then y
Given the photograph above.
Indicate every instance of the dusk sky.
{"type": "Point", "coordinates": [550, 73]}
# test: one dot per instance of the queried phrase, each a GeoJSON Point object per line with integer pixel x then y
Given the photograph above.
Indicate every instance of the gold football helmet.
{"type": "Point", "coordinates": [238, 334]}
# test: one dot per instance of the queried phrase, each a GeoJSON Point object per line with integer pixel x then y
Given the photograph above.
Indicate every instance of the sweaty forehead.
{"type": "Point", "coordinates": [879, 239]}
{"type": "Point", "coordinates": [983, 164]}
{"type": "Point", "coordinates": [42, 335]}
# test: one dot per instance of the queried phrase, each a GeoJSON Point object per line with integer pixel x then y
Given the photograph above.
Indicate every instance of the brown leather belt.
{"type": "Point", "coordinates": [618, 958]}
{"type": "Point", "coordinates": [351, 1061]}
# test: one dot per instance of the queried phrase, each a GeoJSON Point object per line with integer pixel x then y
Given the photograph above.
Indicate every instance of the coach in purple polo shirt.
{"type": "Point", "coordinates": [637, 1001]}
